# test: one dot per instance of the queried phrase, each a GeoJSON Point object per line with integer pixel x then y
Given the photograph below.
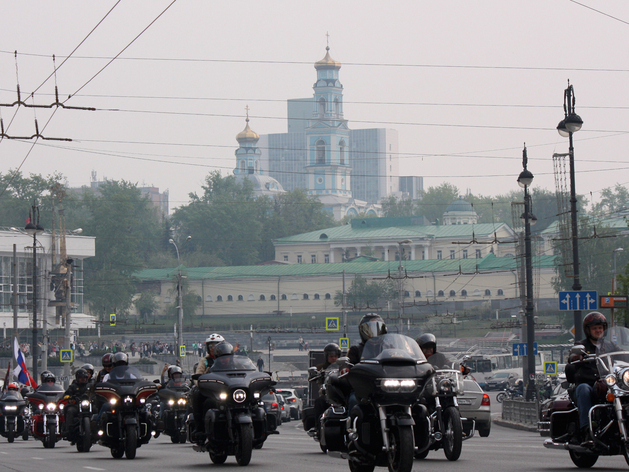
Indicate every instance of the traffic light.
{"type": "Point", "coordinates": [112, 319]}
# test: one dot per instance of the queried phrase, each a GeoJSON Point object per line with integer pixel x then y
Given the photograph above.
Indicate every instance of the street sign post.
{"type": "Point", "coordinates": [112, 319]}
{"type": "Point", "coordinates": [344, 343]}
{"type": "Point", "coordinates": [550, 367]}
{"type": "Point", "coordinates": [578, 300]}
{"type": "Point", "coordinates": [67, 355]}
{"type": "Point", "coordinates": [613, 301]}
{"type": "Point", "coordinates": [182, 350]}
{"type": "Point", "coordinates": [332, 324]}
{"type": "Point", "coordinates": [520, 349]}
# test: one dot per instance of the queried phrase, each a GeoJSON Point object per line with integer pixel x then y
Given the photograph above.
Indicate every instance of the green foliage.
{"type": "Point", "coordinates": [435, 200]}
{"type": "Point", "coordinates": [363, 294]}
{"type": "Point", "coordinates": [612, 200]}
{"type": "Point", "coordinates": [391, 207]}
{"type": "Point", "coordinates": [146, 305]}
{"type": "Point", "coordinates": [145, 360]}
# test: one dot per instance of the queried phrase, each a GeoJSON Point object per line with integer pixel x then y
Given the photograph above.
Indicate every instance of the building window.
{"type": "Point", "coordinates": [322, 107]}
{"type": "Point", "coordinates": [476, 293]}
{"type": "Point", "coordinates": [500, 292]}
{"type": "Point", "coordinates": [284, 296]}
{"type": "Point", "coordinates": [208, 298]}
{"type": "Point", "coordinates": [407, 293]}
{"type": "Point", "coordinates": [285, 257]}
{"type": "Point", "coordinates": [230, 298]}
{"type": "Point", "coordinates": [306, 297]}
{"type": "Point", "coordinates": [272, 297]}
{"type": "Point", "coordinates": [299, 259]}
{"type": "Point", "coordinates": [320, 152]}
{"type": "Point", "coordinates": [452, 253]}
{"type": "Point", "coordinates": [342, 152]}
{"type": "Point", "coordinates": [328, 296]}
{"type": "Point", "coordinates": [440, 293]}
{"type": "Point", "coordinates": [251, 298]}
{"type": "Point", "coordinates": [452, 293]}
{"type": "Point", "coordinates": [241, 298]}
{"type": "Point", "coordinates": [478, 255]}
{"type": "Point", "coordinates": [294, 296]}
{"type": "Point", "coordinates": [316, 296]}
{"type": "Point", "coordinates": [313, 258]}
{"type": "Point", "coordinates": [439, 255]}
{"type": "Point", "coordinates": [242, 166]}
{"type": "Point", "coordinates": [219, 298]}
{"type": "Point", "coordinates": [464, 253]}
{"type": "Point", "coordinates": [326, 258]}
{"type": "Point", "coordinates": [464, 293]}
{"type": "Point", "coordinates": [429, 293]}
{"type": "Point", "coordinates": [262, 297]}
{"type": "Point", "coordinates": [487, 292]}
{"type": "Point", "coordinates": [418, 294]}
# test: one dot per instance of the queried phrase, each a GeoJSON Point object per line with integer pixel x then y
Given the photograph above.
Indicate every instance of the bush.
{"type": "Point", "coordinates": [146, 360]}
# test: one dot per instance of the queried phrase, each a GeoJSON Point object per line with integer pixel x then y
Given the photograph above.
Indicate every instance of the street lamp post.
{"type": "Point", "coordinates": [401, 291]}
{"type": "Point", "coordinates": [566, 127]}
{"type": "Point", "coordinates": [179, 298]}
{"type": "Point", "coordinates": [34, 229]}
{"type": "Point", "coordinates": [616, 251]}
{"type": "Point", "coordinates": [525, 179]}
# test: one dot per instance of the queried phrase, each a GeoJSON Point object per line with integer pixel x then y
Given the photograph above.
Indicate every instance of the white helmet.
{"type": "Point", "coordinates": [212, 339]}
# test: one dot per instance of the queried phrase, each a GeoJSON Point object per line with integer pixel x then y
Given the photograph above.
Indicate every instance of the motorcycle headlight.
{"type": "Point", "coordinates": [85, 403]}
{"type": "Point", "coordinates": [624, 376]}
{"type": "Point", "coordinates": [610, 380]}
{"type": "Point", "coordinates": [256, 395]}
{"type": "Point", "coordinates": [171, 402]}
{"type": "Point", "coordinates": [40, 406]}
{"type": "Point", "coordinates": [62, 406]}
{"type": "Point", "coordinates": [181, 401]}
{"type": "Point", "coordinates": [128, 399]}
{"type": "Point", "coordinates": [222, 396]}
{"type": "Point", "coordinates": [10, 408]}
{"type": "Point", "coordinates": [113, 401]}
{"type": "Point", "coordinates": [398, 385]}
{"type": "Point", "coordinates": [239, 396]}
{"type": "Point", "coordinates": [142, 401]}
{"type": "Point", "coordinates": [51, 407]}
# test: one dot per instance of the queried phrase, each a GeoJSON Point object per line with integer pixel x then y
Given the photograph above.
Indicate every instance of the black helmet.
{"type": "Point", "coordinates": [120, 358]}
{"type": "Point", "coordinates": [81, 374]}
{"type": "Point", "coordinates": [89, 368]}
{"type": "Point", "coordinates": [223, 349]}
{"type": "Point", "coordinates": [371, 325]}
{"type": "Point", "coordinates": [331, 349]}
{"type": "Point", "coordinates": [594, 318]}
{"type": "Point", "coordinates": [108, 359]}
{"type": "Point", "coordinates": [174, 369]}
{"type": "Point", "coordinates": [47, 376]}
{"type": "Point", "coordinates": [428, 340]}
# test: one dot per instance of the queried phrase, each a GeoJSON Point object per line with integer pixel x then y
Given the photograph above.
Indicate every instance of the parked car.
{"type": "Point", "coordinates": [293, 401]}
{"type": "Point", "coordinates": [284, 408]}
{"type": "Point", "coordinates": [474, 405]}
{"type": "Point", "coordinates": [272, 407]}
{"type": "Point", "coordinates": [501, 380]}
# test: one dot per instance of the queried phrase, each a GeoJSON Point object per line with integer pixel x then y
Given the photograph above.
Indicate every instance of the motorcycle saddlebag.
{"type": "Point", "coordinates": [308, 418]}
{"type": "Point", "coordinates": [333, 429]}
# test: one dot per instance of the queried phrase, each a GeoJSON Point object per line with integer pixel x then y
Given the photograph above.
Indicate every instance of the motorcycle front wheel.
{"type": "Point", "coordinates": [401, 449]}
{"type": "Point", "coordinates": [500, 397]}
{"type": "Point", "coordinates": [218, 458]}
{"type": "Point", "coordinates": [584, 461]}
{"type": "Point", "coordinates": [11, 433]}
{"type": "Point", "coordinates": [131, 441]}
{"type": "Point", "coordinates": [356, 467]}
{"type": "Point", "coordinates": [244, 444]}
{"type": "Point", "coordinates": [452, 433]}
{"type": "Point", "coordinates": [85, 441]}
{"type": "Point", "coordinates": [50, 438]}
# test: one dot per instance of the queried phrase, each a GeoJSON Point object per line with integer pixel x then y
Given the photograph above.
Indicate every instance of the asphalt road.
{"type": "Point", "coordinates": [292, 450]}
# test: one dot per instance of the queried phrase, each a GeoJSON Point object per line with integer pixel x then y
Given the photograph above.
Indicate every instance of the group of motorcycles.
{"type": "Point", "coordinates": [403, 407]}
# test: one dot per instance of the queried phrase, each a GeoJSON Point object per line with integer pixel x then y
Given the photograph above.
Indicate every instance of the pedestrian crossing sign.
{"type": "Point", "coordinates": [182, 351]}
{"type": "Point", "coordinates": [550, 367]}
{"type": "Point", "coordinates": [66, 355]}
{"type": "Point", "coordinates": [332, 324]}
{"type": "Point", "coordinates": [112, 319]}
{"type": "Point", "coordinates": [344, 343]}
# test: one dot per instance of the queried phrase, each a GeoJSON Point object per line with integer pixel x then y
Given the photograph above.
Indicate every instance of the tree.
{"type": "Point", "coordinates": [146, 304]}
{"type": "Point", "coordinates": [363, 294]}
{"type": "Point", "coordinates": [435, 200]}
{"type": "Point", "coordinates": [391, 206]}
{"type": "Point", "coordinates": [612, 200]}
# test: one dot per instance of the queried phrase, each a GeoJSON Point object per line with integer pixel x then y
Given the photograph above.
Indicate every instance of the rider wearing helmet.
{"type": "Point", "coordinates": [120, 358]}
{"type": "Point", "coordinates": [428, 344]}
{"type": "Point", "coordinates": [223, 356]}
{"type": "Point", "coordinates": [370, 325]}
{"type": "Point", "coordinates": [89, 368]}
{"type": "Point", "coordinates": [210, 343]}
{"type": "Point", "coordinates": [331, 353]}
{"type": "Point", "coordinates": [48, 379]}
{"type": "Point", "coordinates": [108, 363]}
{"type": "Point", "coordinates": [585, 374]}
{"type": "Point", "coordinates": [77, 388]}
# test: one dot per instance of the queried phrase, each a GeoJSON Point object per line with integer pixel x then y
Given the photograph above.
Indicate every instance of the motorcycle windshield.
{"type": "Point", "coordinates": [613, 363]}
{"type": "Point", "coordinates": [390, 346]}
{"type": "Point", "coordinates": [232, 362]}
{"type": "Point", "coordinates": [124, 372]}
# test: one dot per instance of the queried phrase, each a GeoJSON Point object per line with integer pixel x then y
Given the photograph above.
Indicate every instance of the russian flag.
{"type": "Point", "coordinates": [21, 372]}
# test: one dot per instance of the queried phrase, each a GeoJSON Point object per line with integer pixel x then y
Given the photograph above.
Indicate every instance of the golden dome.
{"type": "Point", "coordinates": [247, 134]}
{"type": "Point", "coordinates": [327, 62]}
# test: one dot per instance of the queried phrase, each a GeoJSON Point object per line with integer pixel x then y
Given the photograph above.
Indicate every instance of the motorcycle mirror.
{"type": "Point", "coordinates": [195, 376]}
{"type": "Point", "coordinates": [156, 381]}
{"type": "Point", "coordinates": [312, 369]}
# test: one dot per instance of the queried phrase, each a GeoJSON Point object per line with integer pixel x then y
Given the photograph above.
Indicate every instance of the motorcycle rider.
{"type": "Point", "coordinates": [585, 374]}
{"type": "Point", "coordinates": [203, 367]}
{"type": "Point", "coordinates": [175, 377]}
{"type": "Point", "coordinates": [77, 388]}
{"type": "Point", "coordinates": [12, 390]}
{"type": "Point", "coordinates": [90, 370]}
{"type": "Point", "coordinates": [428, 344]}
{"type": "Point", "coordinates": [48, 379]}
{"type": "Point", "coordinates": [331, 352]}
{"type": "Point", "coordinates": [120, 359]}
{"type": "Point", "coordinates": [108, 364]}
{"type": "Point", "coordinates": [221, 351]}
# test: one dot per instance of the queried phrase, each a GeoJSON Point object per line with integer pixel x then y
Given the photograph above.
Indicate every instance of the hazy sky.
{"type": "Point", "coordinates": [465, 83]}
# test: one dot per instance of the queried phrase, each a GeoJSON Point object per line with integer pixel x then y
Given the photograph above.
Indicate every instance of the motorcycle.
{"type": "Point", "coordinates": [12, 416]}
{"type": "Point", "coordinates": [309, 420]}
{"type": "Point", "coordinates": [378, 431]}
{"type": "Point", "coordinates": [509, 394]}
{"type": "Point", "coordinates": [443, 424]}
{"type": "Point", "coordinates": [234, 422]}
{"type": "Point", "coordinates": [46, 417]}
{"type": "Point", "coordinates": [80, 432]}
{"type": "Point", "coordinates": [608, 419]}
{"type": "Point", "coordinates": [174, 409]}
{"type": "Point", "coordinates": [124, 424]}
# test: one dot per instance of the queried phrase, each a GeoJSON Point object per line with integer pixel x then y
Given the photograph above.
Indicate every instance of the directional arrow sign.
{"type": "Point", "coordinates": [578, 300]}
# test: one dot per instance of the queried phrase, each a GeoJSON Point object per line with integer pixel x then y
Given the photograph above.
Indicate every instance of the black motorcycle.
{"type": "Point", "coordinates": [12, 409]}
{"type": "Point", "coordinates": [312, 424]}
{"type": "Point", "coordinates": [509, 394]}
{"type": "Point", "coordinates": [79, 433]}
{"type": "Point", "coordinates": [379, 429]}
{"type": "Point", "coordinates": [234, 422]}
{"type": "Point", "coordinates": [442, 429]}
{"type": "Point", "coordinates": [174, 410]}
{"type": "Point", "coordinates": [124, 424]}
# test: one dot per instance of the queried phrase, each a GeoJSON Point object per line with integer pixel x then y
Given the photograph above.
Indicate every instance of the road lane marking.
{"type": "Point", "coordinates": [92, 468]}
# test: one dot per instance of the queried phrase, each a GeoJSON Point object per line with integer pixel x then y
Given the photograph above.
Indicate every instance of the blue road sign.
{"type": "Point", "coordinates": [520, 349]}
{"type": "Point", "coordinates": [182, 351]}
{"type": "Point", "coordinates": [550, 367]}
{"type": "Point", "coordinates": [66, 355]}
{"type": "Point", "coordinates": [344, 343]}
{"type": "Point", "coordinates": [332, 324]}
{"type": "Point", "coordinates": [578, 300]}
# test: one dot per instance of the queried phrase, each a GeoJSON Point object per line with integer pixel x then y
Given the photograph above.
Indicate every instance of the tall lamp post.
{"type": "Point", "coordinates": [616, 251]}
{"type": "Point", "coordinates": [34, 229]}
{"type": "Point", "coordinates": [566, 127]}
{"type": "Point", "coordinates": [525, 179]}
{"type": "Point", "coordinates": [179, 298]}
{"type": "Point", "coordinates": [401, 291]}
